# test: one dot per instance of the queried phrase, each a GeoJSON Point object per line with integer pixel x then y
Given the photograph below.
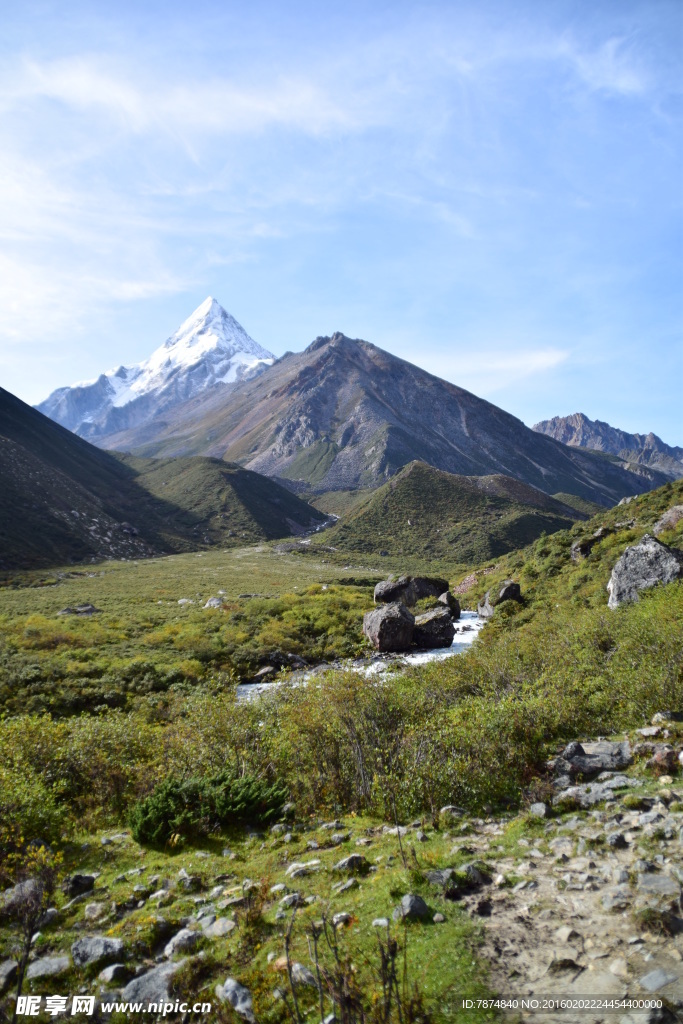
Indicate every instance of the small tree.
{"type": "Point", "coordinates": [35, 871]}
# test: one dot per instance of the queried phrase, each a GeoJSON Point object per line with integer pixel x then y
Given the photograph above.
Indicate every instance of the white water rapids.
{"type": "Point", "coordinates": [466, 630]}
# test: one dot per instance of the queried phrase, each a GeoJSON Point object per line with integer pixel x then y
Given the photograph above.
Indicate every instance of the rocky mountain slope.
{"type": "Point", "coordinates": [644, 449]}
{"type": "Point", "coordinates": [424, 511]}
{"type": "Point", "coordinates": [63, 500]}
{"type": "Point", "coordinates": [344, 414]}
{"type": "Point", "coordinates": [209, 349]}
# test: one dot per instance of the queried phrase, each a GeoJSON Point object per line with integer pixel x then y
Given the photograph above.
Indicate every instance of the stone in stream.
{"type": "Point", "coordinates": [409, 589]}
{"type": "Point", "coordinates": [390, 627]}
{"type": "Point", "coordinates": [434, 629]}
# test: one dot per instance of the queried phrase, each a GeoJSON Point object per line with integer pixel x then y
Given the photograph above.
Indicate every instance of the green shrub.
{"type": "Point", "coordinates": [194, 807]}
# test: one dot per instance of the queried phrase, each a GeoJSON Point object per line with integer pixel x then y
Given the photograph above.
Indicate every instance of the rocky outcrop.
{"type": "Point", "coordinates": [643, 566]}
{"type": "Point", "coordinates": [434, 629]}
{"type": "Point", "coordinates": [582, 547]}
{"type": "Point", "coordinates": [409, 589]}
{"type": "Point", "coordinates": [671, 517]}
{"type": "Point", "coordinates": [390, 627]}
{"type": "Point", "coordinates": [508, 591]}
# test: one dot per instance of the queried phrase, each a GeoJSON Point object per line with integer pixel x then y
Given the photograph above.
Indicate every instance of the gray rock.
{"type": "Point", "coordinates": [95, 949]}
{"type": "Point", "coordinates": [390, 627]}
{"type": "Point", "coordinates": [411, 908]}
{"type": "Point", "coordinates": [539, 810]}
{"type": "Point", "coordinates": [642, 566]}
{"type": "Point", "coordinates": [77, 885]}
{"type": "Point", "coordinates": [152, 986]}
{"type": "Point", "coordinates": [616, 898]}
{"type": "Point", "coordinates": [238, 997]}
{"type": "Point", "coordinates": [434, 629]}
{"type": "Point", "coordinates": [184, 941]}
{"type": "Point", "coordinates": [115, 973]}
{"type": "Point", "coordinates": [451, 811]}
{"type": "Point", "coordinates": [12, 899]}
{"type": "Point", "coordinates": [303, 976]}
{"type": "Point", "coordinates": [214, 602]}
{"type": "Point", "coordinates": [409, 589]}
{"type": "Point", "coordinates": [218, 928]}
{"type": "Point", "coordinates": [449, 601]}
{"type": "Point", "coordinates": [657, 979]}
{"type": "Point", "coordinates": [617, 841]}
{"type": "Point", "coordinates": [354, 863]}
{"type": "Point", "coordinates": [508, 591]}
{"type": "Point", "coordinates": [341, 918]}
{"type": "Point", "coordinates": [672, 516]}
{"type": "Point", "coordinates": [380, 922]}
{"type": "Point", "coordinates": [591, 759]}
{"type": "Point", "coordinates": [8, 974]}
{"type": "Point", "coordinates": [48, 967]}
{"type": "Point", "coordinates": [658, 885]}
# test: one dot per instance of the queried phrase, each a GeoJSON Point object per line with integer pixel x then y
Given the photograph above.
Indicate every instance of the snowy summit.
{"type": "Point", "coordinates": [208, 349]}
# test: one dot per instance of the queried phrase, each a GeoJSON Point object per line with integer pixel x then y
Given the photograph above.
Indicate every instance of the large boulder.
{"type": "Point", "coordinates": [508, 591]}
{"type": "Point", "coordinates": [390, 627]}
{"type": "Point", "coordinates": [95, 949]}
{"type": "Point", "coordinates": [409, 589]}
{"type": "Point", "coordinates": [153, 986]}
{"type": "Point", "coordinates": [642, 566]}
{"type": "Point", "coordinates": [434, 629]}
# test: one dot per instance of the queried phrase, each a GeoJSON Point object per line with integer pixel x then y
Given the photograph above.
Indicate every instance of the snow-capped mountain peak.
{"type": "Point", "coordinates": [209, 348]}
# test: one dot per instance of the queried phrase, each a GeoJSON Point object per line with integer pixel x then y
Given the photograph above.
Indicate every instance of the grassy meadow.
{"type": "Point", "coordinates": [99, 711]}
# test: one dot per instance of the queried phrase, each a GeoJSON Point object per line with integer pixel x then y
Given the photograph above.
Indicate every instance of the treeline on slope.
{"type": "Point", "coordinates": [474, 730]}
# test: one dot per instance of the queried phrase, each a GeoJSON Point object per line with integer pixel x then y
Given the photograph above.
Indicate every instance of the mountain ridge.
{"type": "Point", "coordinates": [210, 348]}
{"type": "Point", "coordinates": [578, 431]}
{"type": "Point", "coordinates": [344, 414]}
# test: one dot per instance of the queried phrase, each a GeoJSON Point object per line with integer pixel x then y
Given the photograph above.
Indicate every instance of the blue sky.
{"type": "Point", "coordinates": [491, 190]}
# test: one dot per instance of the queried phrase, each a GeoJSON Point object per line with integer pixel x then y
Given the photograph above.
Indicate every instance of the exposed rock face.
{"type": "Point", "coordinates": [409, 589]}
{"type": "Point", "coordinates": [390, 627]}
{"type": "Point", "coordinates": [642, 566]}
{"type": "Point", "coordinates": [434, 629]}
{"type": "Point", "coordinates": [152, 986]}
{"type": "Point", "coordinates": [578, 431]}
{"type": "Point", "coordinates": [95, 949]}
{"type": "Point", "coordinates": [344, 414]}
{"type": "Point", "coordinates": [508, 591]}
{"type": "Point", "coordinates": [672, 516]}
{"type": "Point", "coordinates": [582, 547]}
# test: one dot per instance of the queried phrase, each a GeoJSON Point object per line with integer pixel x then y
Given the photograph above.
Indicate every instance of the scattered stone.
{"type": "Point", "coordinates": [566, 934]}
{"type": "Point", "coordinates": [539, 810]}
{"type": "Point", "coordinates": [214, 602]}
{"type": "Point", "coordinates": [114, 973]}
{"type": "Point", "coordinates": [95, 949]}
{"type": "Point", "coordinates": [152, 986]}
{"type": "Point", "coordinates": [380, 922]}
{"type": "Point", "coordinates": [642, 566]}
{"type": "Point", "coordinates": [343, 887]}
{"type": "Point", "coordinates": [390, 627]}
{"type": "Point", "coordinates": [342, 918]}
{"type": "Point", "coordinates": [438, 918]}
{"type": "Point", "coordinates": [303, 976]}
{"type": "Point", "coordinates": [617, 841]}
{"type": "Point", "coordinates": [238, 997]}
{"type": "Point", "coordinates": [218, 928]}
{"type": "Point", "coordinates": [411, 908]}
{"type": "Point", "coordinates": [657, 979]}
{"type": "Point", "coordinates": [8, 974]}
{"type": "Point", "coordinates": [671, 517]}
{"type": "Point", "coordinates": [77, 885]}
{"type": "Point", "coordinates": [355, 863]}
{"type": "Point", "coordinates": [48, 967]}
{"type": "Point", "coordinates": [184, 941]}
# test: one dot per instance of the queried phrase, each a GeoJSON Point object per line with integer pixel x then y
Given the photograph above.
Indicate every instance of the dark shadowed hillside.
{"type": "Point", "coordinates": [63, 500]}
